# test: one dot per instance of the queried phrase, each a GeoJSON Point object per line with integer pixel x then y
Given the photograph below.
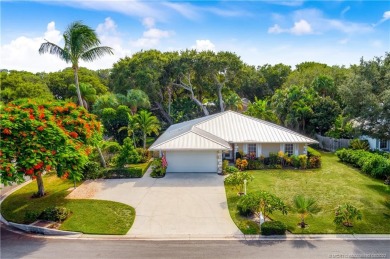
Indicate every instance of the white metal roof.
{"type": "Point", "coordinates": [215, 132]}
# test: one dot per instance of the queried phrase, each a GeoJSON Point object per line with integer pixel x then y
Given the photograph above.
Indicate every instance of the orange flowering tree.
{"type": "Point", "coordinates": [39, 136]}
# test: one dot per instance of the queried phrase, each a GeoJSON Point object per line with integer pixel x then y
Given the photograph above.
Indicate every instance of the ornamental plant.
{"type": "Point", "coordinates": [41, 136]}
{"type": "Point", "coordinates": [345, 214]}
{"type": "Point", "coordinates": [236, 180]}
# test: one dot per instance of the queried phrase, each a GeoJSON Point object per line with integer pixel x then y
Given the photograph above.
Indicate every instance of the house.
{"type": "Point", "coordinates": [377, 144]}
{"type": "Point", "coordinates": [199, 145]}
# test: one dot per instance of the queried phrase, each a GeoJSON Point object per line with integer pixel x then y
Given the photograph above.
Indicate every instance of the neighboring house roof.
{"type": "Point", "coordinates": [216, 131]}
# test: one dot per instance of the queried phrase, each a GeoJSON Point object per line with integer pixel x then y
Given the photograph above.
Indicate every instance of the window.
{"type": "Point", "coordinates": [383, 144]}
{"type": "Point", "coordinates": [289, 149]}
{"type": "Point", "coordinates": [252, 151]}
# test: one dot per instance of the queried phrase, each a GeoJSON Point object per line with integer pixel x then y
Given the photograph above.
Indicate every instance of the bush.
{"type": "Point", "coordinates": [241, 164]}
{"type": "Point", "coordinates": [119, 173]}
{"type": "Point", "coordinates": [110, 149]}
{"type": "Point", "coordinates": [255, 165]}
{"type": "Point", "coordinates": [128, 154]}
{"type": "Point", "coordinates": [358, 144]}
{"type": "Point", "coordinates": [273, 158]}
{"type": "Point", "coordinates": [295, 161]}
{"type": "Point", "coordinates": [92, 170]}
{"type": "Point", "coordinates": [302, 161]}
{"type": "Point", "coordinates": [30, 216]}
{"type": "Point", "coordinates": [57, 214]}
{"type": "Point", "coordinates": [144, 154]}
{"type": "Point", "coordinates": [370, 163]}
{"type": "Point", "coordinates": [237, 180]}
{"type": "Point", "coordinates": [248, 204]}
{"type": "Point", "coordinates": [314, 158]}
{"type": "Point", "coordinates": [231, 169]}
{"type": "Point", "coordinates": [225, 164]}
{"type": "Point", "coordinates": [157, 169]}
{"type": "Point", "coordinates": [273, 228]}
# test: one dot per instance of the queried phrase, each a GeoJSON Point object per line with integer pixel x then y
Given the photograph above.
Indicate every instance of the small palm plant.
{"type": "Point", "coordinates": [345, 214]}
{"type": "Point", "coordinates": [147, 123]}
{"type": "Point", "coordinates": [305, 206]}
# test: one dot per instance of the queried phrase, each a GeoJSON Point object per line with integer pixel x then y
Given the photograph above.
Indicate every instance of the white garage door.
{"type": "Point", "coordinates": [192, 161]}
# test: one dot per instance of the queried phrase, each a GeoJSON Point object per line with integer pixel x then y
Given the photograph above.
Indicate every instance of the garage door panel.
{"type": "Point", "coordinates": [192, 161]}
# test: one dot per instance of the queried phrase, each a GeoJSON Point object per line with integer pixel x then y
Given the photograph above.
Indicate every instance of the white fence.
{"type": "Point", "coordinates": [332, 144]}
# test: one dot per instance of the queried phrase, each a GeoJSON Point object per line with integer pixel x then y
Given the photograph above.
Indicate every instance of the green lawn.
{"type": "Point", "coordinates": [335, 183]}
{"type": "Point", "coordinates": [88, 216]}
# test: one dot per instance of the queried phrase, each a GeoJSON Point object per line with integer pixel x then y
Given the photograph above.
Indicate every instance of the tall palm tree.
{"type": "Point", "coordinates": [131, 127]}
{"type": "Point", "coordinates": [81, 43]}
{"type": "Point", "coordinates": [305, 206]}
{"type": "Point", "coordinates": [147, 123]}
{"type": "Point", "coordinates": [134, 99]}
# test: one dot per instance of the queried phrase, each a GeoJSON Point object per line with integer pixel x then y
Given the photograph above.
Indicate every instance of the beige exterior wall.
{"type": "Point", "coordinates": [266, 148]}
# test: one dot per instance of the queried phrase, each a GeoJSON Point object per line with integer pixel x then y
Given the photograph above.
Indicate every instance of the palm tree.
{"type": "Point", "coordinates": [131, 127]}
{"type": "Point", "coordinates": [88, 94]}
{"type": "Point", "coordinates": [147, 123]}
{"type": "Point", "coordinates": [134, 99]}
{"type": "Point", "coordinates": [105, 101]}
{"type": "Point", "coordinates": [305, 206]}
{"type": "Point", "coordinates": [81, 43]}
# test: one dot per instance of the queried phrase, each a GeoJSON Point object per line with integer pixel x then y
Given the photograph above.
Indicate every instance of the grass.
{"type": "Point", "coordinates": [143, 166]}
{"type": "Point", "coordinates": [333, 184]}
{"type": "Point", "coordinates": [88, 216]}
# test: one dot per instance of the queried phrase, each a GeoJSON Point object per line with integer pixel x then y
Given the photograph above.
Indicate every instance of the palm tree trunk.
{"type": "Point", "coordinates": [41, 188]}
{"type": "Point", "coordinates": [76, 79]}
{"type": "Point", "coordinates": [134, 140]}
{"type": "Point", "coordinates": [144, 141]}
{"type": "Point", "coordinates": [102, 160]}
{"type": "Point", "coordinates": [221, 104]}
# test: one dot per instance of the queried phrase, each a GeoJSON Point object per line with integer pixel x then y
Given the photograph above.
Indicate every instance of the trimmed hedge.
{"type": "Point", "coordinates": [118, 173]}
{"type": "Point", "coordinates": [373, 164]}
{"type": "Point", "coordinates": [273, 228]}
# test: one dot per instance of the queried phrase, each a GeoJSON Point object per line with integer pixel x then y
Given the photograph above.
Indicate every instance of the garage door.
{"type": "Point", "coordinates": [192, 161]}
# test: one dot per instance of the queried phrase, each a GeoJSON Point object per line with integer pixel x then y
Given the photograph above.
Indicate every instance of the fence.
{"type": "Point", "coordinates": [332, 144]}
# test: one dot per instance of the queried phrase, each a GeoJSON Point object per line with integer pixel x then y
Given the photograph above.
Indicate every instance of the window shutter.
{"type": "Point", "coordinates": [245, 149]}
{"type": "Point", "coordinates": [296, 149]}
{"type": "Point", "coordinates": [258, 150]}
{"type": "Point", "coordinates": [282, 147]}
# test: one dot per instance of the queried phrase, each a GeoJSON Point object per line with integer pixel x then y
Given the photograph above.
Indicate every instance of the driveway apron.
{"type": "Point", "coordinates": [179, 204]}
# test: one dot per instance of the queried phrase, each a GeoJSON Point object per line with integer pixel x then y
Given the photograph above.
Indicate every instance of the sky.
{"type": "Point", "coordinates": [261, 32]}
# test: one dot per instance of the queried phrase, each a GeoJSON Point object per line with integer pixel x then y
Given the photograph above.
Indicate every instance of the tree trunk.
{"type": "Point", "coordinates": [76, 79]}
{"type": "Point", "coordinates": [204, 109]}
{"type": "Point", "coordinates": [102, 160]}
{"type": "Point", "coordinates": [41, 188]}
{"type": "Point", "coordinates": [166, 116]}
{"type": "Point", "coordinates": [144, 141]}
{"type": "Point", "coordinates": [221, 103]}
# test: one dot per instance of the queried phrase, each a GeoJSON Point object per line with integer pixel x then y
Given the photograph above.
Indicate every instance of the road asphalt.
{"type": "Point", "coordinates": [15, 245]}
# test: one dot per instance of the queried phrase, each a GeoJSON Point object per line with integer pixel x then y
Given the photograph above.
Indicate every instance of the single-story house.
{"type": "Point", "coordinates": [199, 145]}
{"type": "Point", "coordinates": [377, 144]}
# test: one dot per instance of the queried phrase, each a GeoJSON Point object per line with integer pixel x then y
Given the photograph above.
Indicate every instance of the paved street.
{"type": "Point", "coordinates": [180, 204]}
{"type": "Point", "coordinates": [20, 246]}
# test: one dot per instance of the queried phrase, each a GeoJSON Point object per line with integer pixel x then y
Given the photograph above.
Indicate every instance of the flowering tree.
{"type": "Point", "coordinates": [38, 137]}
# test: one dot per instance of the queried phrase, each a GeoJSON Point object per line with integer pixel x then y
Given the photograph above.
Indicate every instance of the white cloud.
{"type": "Point", "coordinates": [343, 41]}
{"type": "Point", "coordinates": [148, 22]}
{"type": "Point", "coordinates": [202, 45]}
{"type": "Point", "coordinates": [300, 28]}
{"type": "Point", "coordinates": [108, 25]}
{"type": "Point", "coordinates": [156, 33]}
{"type": "Point", "coordinates": [377, 44]}
{"type": "Point", "coordinates": [385, 17]}
{"type": "Point", "coordinates": [151, 37]}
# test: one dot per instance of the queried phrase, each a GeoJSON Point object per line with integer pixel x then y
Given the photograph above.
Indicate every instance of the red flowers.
{"type": "Point", "coordinates": [32, 117]}
{"type": "Point", "coordinates": [7, 131]}
{"type": "Point", "coordinates": [41, 116]}
{"type": "Point", "coordinates": [53, 152]}
{"type": "Point", "coordinates": [29, 171]}
{"type": "Point", "coordinates": [40, 128]}
{"type": "Point", "coordinates": [38, 166]}
{"type": "Point", "coordinates": [73, 134]}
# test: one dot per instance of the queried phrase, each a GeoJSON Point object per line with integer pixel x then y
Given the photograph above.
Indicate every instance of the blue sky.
{"type": "Point", "coordinates": [261, 32]}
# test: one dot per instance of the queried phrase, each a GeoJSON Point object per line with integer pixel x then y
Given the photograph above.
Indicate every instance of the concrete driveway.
{"type": "Point", "coordinates": [180, 204]}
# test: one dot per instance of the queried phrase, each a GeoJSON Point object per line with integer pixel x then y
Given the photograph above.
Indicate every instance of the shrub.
{"type": "Point", "coordinates": [312, 152]}
{"type": "Point", "coordinates": [302, 161]}
{"type": "Point", "coordinates": [345, 214]}
{"type": "Point", "coordinates": [273, 158]}
{"type": "Point", "coordinates": [255, 165]}
{"type": "Point", "coordinates": [241, 164]}
{"type": "Point", "coordinates": [248, 204]}
{"type": "Point", "coordinates": [119, 173]}
{"type": "Point", "coordinates": [109, 149]}
{"type": "Point", "coordinates": [273, 228]}
{"type": "Point", "coordinates": [359, 144]}
{"type": "Point", "coordinates": [260, 202]}
{"type": "Point", "coordinates": [231, 169]}
{"type": "Point", "coordinates": [30, 216]}
{"type": "Point", "coordinates": [128, 154]}
{"type": "Point", "coordinates": [57, 214]}
{"type": "Point", "coordinates": [314, 158]}
{"type": "Point", "coordinates": [157, 169]}
{"type": "Point", "coordinates": [237, 180]}
{"type": "Point", "coordinates": [295, 161]}
{"type": "Point", "coordinates": [144, 154]}
{"type": "Point", "coordinates": [370, 163]}
{"type": "Point", "coordinates": [92, 170]}
{"type": "Point", "coordinates": [225, 164]}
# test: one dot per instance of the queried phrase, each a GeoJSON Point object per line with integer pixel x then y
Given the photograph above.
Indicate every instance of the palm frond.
{"type": "Point", "coordinates": [97, 52]}
{"type": "Point", "coordinates": [49, 47]}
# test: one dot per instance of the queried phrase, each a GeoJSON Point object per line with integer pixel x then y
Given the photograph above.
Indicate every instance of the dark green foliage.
{"type": "Point", "coordinates": [57, 214]}
{"type": "Point", "coordinates": [370, 163]}
{"type": "Point", "coordinates": [255, 165]}
{"type": "Point", "coordinates": [158, 170]}
{"type": "Point", "coordinates": [231, 169]}
{"type": "Point", "coordinates": [92, 171]}
{"type": "Point", "coordinates": [295, 161]}
{"type": "Point", "coordinates": [113, 120]}
{"type": "Point", "coordinates": [359, 144]}
{"type": "Point", "coordinates": [314, 158]}
{"type": "Point", "coordinates": [119, 173]}
{"type": "Point", "coordinates": [30, 216]}
{"type": "Point", "coordinates": [128, 154]}
{"type": "Point", "coordinates": [248, 204]}
{"type": "Point", "coordinates": [273, 158]}
{"type": "Point", "coordinates": [273, 228]}
{"type": "Point", "coordinates": [144, 154]}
